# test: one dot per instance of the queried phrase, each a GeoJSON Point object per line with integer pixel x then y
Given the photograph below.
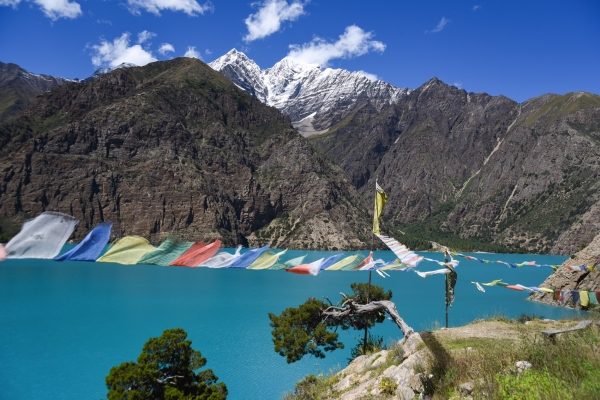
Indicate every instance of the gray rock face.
{"type": "Point", "coordinates": [486, 168]}
{"type": "Point", "coordinates": [358, 380]}
{"type": "Point", "coordinates": [565, 279]}
{"type": "Point", "coordinates": [305, 91]}
{"type": "Point", "coordinates": [175, 148]}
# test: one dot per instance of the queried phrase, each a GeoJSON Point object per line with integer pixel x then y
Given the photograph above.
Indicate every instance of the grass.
{"type": "Point", "coordinates": [564, 367]}
{"type": "Point", "coordinates": [312, 387]}
{"type": "Point", "coordinates": [563, 105]}
{"type": "Point", "coordinates": [10, 226]}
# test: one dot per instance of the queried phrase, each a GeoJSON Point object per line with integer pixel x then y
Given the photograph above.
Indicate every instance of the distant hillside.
{"type": "Point", "coordinates": [175, 148]}
{"type": "Point", "coordinates": [18, 87]}
{"type": "Point", "coordinates": [482, 168]}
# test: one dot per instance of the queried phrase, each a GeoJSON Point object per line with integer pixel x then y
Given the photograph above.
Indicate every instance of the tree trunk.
{"type": "Point", "coordinates": [350, 307]}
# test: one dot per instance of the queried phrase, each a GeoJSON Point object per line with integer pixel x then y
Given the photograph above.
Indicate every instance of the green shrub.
{"type": "Point", "coordinates": [374, 345]}
{"type": "Point", "coordinates": [388, 386]}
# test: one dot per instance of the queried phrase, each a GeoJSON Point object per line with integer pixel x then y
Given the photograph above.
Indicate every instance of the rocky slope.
{"type": "Point", "coordinates": [18, 87]}
{"type": "Point", "coordinates": [314, 98]}
{"type": "Point", "coordinates": [175, 148]}
{"type": "Point", "coordinates": [480, 167]}
{"type": "Point", "coordinates": [483, 359]}
{"type": "Point", "coordinates": [565, 279]}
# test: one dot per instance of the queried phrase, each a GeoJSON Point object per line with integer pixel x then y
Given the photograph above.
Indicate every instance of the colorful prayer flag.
{"type": "Point", "coordinates": [380, 199]}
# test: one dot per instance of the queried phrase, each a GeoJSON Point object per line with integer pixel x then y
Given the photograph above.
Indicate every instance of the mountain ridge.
{"type": "Point", "coordinates": [459, 165]}
{"type": "Point", "coordinates": [18, 87]}
{"type": "Point", "coordinates": [306, 92]}
{"type": "Point", "coordinates": [175, 148]}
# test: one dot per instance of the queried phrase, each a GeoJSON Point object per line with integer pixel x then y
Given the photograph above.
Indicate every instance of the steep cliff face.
{"type": "Point", "coordinates": [542, 179]}
{"type": "Point", "coordinates": [480, 167]}
{"type": "Point", "coordinates": [565, 279]}
{"type": "Point", "coordinates": [174, 147]}
{"type": "Point", "coordinates": [18, 87]}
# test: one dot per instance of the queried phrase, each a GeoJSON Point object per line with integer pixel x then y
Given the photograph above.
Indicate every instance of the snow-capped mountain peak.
{"type": "Point", "coordinates": [306, 92]}
{"type": "Point", "coordinates": [242, 71]}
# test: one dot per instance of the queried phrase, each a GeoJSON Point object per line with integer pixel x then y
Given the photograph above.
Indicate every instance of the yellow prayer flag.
{"type": "Point", "coordinates": [380, 199]}
{"type": "Point", "coordinates": [584, 298]}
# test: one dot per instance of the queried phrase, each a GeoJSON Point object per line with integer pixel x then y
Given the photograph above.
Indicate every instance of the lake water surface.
{"type": "Point", "coordinates": [64, 325]}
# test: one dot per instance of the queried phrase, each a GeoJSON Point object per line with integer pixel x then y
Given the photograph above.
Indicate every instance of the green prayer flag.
{"type": "Point", "coordinates": [380, 199]}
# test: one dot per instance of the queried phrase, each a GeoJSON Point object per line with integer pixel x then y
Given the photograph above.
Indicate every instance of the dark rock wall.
{"type": "Point", "coordinates": [170, 148]}
{"type": "Point", "coordinates": [481, 167]}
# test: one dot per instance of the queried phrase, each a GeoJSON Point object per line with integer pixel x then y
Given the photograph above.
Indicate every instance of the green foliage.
{"type": "Point", "coordinates": [302, 330]}
{"type": "Point", "coordinates": [524, 318]}
{"type": "Point", "coordinates": [562, 368]}
{"type": "Point", "coordinates": [165, 370]}
{"type": "Point", "coordinates": [418, 236]}
{"type": "Point", "coordinates": [10, 226]}
{"type": "Point", "coordinates": [312, 387]}
{"type": "Point", "coordinates": [374, 345]}
{"type": "Point", "coordinates": [367, 320]}
{"type": "Point", "coordinates": [532, 385]}
{"type": "Point", "coordinates": [388, 386]}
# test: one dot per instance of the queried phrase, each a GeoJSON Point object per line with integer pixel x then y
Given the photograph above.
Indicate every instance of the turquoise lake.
{"type": "Point", "coordinates": [64, 325]}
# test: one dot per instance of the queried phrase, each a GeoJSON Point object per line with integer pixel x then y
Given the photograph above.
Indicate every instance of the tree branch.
{"type": "Point", "coordinates": [351, 307]}
{"type": "Point", "coordinates": [165, 379]}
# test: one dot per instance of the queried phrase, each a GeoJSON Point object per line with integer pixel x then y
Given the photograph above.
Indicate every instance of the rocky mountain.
{"type": "Point", "coordinates": [18, 87]}
{"type": "Point", "coordinates": [565, 279]}
{"type": "Point", "coordinates": [103, 71]}
{"type": "Point", "coordinates": [314, 98]}
{"type": "Point", "coordinates": [175, 148]}
{"type": "Point", "coordinates": [479, 167]}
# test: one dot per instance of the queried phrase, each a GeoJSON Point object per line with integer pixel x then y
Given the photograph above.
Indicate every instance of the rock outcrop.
{"type": "Point", "coordinates": [565, 279]}
{"type": "Point", "coordinates": [364, 376]}
{"type": "Point", "coordinates": [175, 148]}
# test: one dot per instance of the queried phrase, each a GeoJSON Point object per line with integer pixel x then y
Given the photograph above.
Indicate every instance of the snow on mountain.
{"type": "Point", "coordinates": [19, 87]}
{"type": "Point", "coordinates": [314, 98]}
{"type": "Point", "coordinates": [102, 71]}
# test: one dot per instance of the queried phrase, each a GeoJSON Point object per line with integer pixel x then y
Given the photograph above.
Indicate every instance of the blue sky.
{"type": "Point", "coordinates": [520, 49]}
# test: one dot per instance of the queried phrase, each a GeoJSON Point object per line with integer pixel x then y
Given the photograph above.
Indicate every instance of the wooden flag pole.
{"type": "Point", "coordinates": [368, 300]}
{"type": "Point", "coordinates": [446, 300]}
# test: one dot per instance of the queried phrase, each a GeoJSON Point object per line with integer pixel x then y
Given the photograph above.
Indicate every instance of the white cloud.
{"type": "Point", "coordinates": [190, 7]}
{"type": "Point", "coordinates": [144, 36]}
{"type": "Point", "coordinates": [476, 7]}
{"type": "Point", "coordinates": [166, 48]}
{"type": "Point", "coordinates": [458, 85]}
{"type": "Point", "coordinates": [192, 53]}
{"type": "Point", "coordinates": [352, 43]}
{"type": "Point", "coordinates": [103, 21]}
{"type": "Point", "coordinates": [53, 9]}
{"type": "Point", "coordinates": [119, 51]}
{"type": "Point", "coordinates": [11, 3]}
{"type": "Point", "coordinates": [269, 17]}
{"type": "Point", "coordinates": [440, 26]}
{"type": "Point", "coordinates": [369, 76]}
{"type": "Point", "coordinates": [208, 52]}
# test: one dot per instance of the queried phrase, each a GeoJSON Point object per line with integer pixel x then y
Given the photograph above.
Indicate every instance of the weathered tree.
{"type": "Point", "coordinates": [311, 327]}
{"type": "Point", "coordinates": [165, 370]}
